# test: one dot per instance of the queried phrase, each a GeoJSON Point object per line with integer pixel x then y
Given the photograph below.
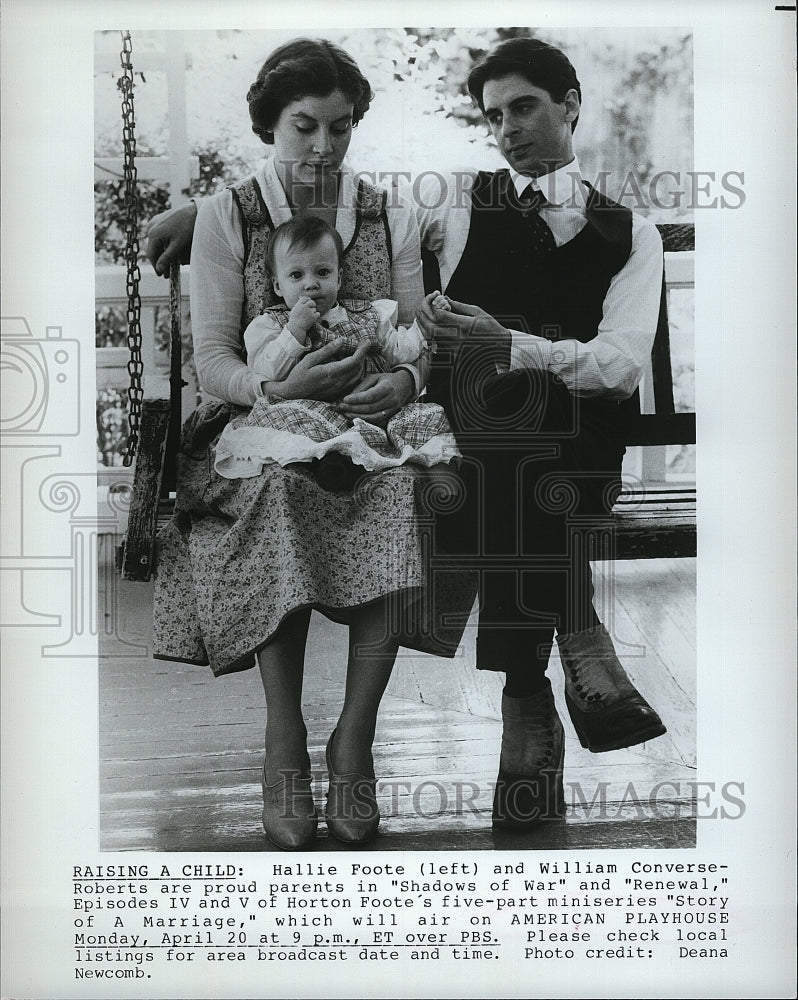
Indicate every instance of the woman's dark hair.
{"type": "Point", "coordinates": [305, 67]}
{"type": "Point", "coordinates": [540, 63]}
{"type": "Point", "coordinates": [301, 232]}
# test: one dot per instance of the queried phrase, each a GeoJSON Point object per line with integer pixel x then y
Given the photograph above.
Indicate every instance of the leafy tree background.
{"type": "Point", "coordinates": [636, 122]}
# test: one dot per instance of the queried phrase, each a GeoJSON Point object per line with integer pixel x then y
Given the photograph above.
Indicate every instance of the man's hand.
{"type": "Point", "coordinates": [379, 397]}
{"type": "Point", "coordinates": [302, 317]}
{"type": "Point", "coordinates": [461, 322]}
{"type": "Point", "coordinates": [318, 376]}
{"type": "Point", "coordinates": [169, 237]}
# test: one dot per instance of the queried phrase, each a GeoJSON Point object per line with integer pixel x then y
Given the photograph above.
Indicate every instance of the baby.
{"type": "Point", "coordinates": [304, 261]}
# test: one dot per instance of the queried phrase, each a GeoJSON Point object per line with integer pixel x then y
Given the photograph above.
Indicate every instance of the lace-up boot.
{"type": "Point", "coordinates": [607, 710]}
{"type": "Point", "coordinates": [529, 787]}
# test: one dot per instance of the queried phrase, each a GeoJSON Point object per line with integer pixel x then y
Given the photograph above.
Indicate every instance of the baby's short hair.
{"type": "Point", "coordinates": [302, 231]}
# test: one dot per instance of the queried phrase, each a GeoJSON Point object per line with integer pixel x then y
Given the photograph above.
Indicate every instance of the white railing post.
{"type": "Point", "coordinates": [179, 173]}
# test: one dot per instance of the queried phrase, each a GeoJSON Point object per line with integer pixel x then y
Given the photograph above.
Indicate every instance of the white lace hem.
{"type": "Point", "coordinates": [242, 452]}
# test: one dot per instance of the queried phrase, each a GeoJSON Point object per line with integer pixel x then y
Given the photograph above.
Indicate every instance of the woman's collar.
{"type": "Point", "coordinates": [277, 202]}
{"type": "Point", "coordinates": [346, 216]}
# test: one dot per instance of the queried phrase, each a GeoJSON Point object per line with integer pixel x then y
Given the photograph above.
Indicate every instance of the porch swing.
{"type": "Point", "coordinates": [653, 523]}
{"type": "Point", "coordinates": [154, 408]}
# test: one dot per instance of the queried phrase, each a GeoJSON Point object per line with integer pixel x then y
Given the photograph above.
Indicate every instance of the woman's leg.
{"type": "Point", "coordinates": [282, 665]}
{"type": "Point", "coordinates": [372, 652]}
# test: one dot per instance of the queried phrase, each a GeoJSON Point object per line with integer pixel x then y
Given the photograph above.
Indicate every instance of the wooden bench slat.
{"type": "Point", "coordinates": [638, 502]}
{"type": "Point", "coordinates": [660, 428]}
{"type": "Point", "coordinates": [176, 383]}
{"type": "Point", "coordinates": [656, 500]}
{"type": "Point", "coordinates": [682, 515]}
{"type": "Point", "coordinates": [655, 540]}
{"type": "Point", "coordinates": [677, 236]}
{"type": "Point", "coordinates": [142, 523]}
{"type": "Point", "coordinates": [633, 517]}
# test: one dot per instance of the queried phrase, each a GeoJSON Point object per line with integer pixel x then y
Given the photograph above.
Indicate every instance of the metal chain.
{"type": "Point", "coordinates": [135, 392]}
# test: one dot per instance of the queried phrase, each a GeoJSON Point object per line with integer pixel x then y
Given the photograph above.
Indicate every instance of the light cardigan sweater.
{"type": "Point", "coordinates": [217, 267]}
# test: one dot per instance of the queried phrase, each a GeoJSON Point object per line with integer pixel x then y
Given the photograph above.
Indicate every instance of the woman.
{"type": "Point", "coordinates": [250, 558]}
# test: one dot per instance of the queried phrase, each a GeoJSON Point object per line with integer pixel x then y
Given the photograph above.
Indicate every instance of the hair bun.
{"type": "Point", "coordinates": [301, 68]}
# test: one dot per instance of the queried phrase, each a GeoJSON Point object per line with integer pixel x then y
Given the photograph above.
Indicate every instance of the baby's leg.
{"type": "Point", "coordinates": [336, 472]}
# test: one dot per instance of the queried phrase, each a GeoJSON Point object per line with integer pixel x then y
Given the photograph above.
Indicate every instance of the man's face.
{"type": "Point", "coordinates": [532, 130]}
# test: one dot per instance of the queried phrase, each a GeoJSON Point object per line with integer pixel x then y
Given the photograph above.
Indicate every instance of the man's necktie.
{"type": "Point", "coordinates": [541, 239]}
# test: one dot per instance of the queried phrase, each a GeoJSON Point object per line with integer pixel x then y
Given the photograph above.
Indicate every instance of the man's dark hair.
{"type": "Point", "coordinates": [541, 64]}
{"type": "Point", "coordinates": [299, 233]}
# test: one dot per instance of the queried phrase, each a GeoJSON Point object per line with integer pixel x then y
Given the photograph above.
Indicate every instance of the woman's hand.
{"type": "Point", "coordinates": [379, 397]}
{"type": "Point", "coordinates": [169, 237]}
{"type": "Point", "coordinates": [319, 376]}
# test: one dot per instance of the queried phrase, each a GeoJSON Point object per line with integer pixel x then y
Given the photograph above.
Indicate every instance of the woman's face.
{"type": "Point", "coordinates": [312, 135]}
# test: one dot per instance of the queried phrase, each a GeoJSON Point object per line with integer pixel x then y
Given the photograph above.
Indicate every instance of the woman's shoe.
{"type": "Point", "coordinates": [352, 812]}
{"type": "Point", "coordinates": [289, 813]}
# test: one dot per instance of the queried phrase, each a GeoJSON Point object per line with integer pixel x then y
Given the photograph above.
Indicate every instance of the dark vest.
{"type": "Point", "coordinates": [367, 258]}
{"type": "Point", "coordinates": [558, 297]}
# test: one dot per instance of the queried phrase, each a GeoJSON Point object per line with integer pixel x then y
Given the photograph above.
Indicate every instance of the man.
{"type": "Point", "coordinates": [563, 287]}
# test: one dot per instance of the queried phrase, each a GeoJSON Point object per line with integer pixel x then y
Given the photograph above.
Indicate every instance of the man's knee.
{"type": "Point", "coordinates": [528, 400]}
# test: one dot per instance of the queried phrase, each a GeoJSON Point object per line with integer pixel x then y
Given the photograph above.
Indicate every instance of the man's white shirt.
{"type": "Point", "coordinates": [612, 364]}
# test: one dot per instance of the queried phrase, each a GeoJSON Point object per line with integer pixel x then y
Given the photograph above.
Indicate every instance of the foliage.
{"type": "Point", "coordinates": [215, 171]}
{"type": "Point", "coordinates": [163, 335]}
{"type": "Point", "coordinates": [681, 327]}
{"type": "Point", "coordinates": [112, 426]}
{"type": "Point", "coordinates": [656, 70]}
{"type": "Point", "coordinates": [110, 327]}
{"type": "Point", "coordinates": [109, 217]}
{"type": "Point", "coordinates": [109, 240]}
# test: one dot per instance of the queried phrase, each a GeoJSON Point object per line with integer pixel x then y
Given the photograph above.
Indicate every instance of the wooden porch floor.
{"type": "Point", "coordinates": [181, 752]}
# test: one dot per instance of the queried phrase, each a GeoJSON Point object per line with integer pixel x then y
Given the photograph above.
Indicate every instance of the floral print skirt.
{"type": "Point", "coordinates": [240, 555]}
